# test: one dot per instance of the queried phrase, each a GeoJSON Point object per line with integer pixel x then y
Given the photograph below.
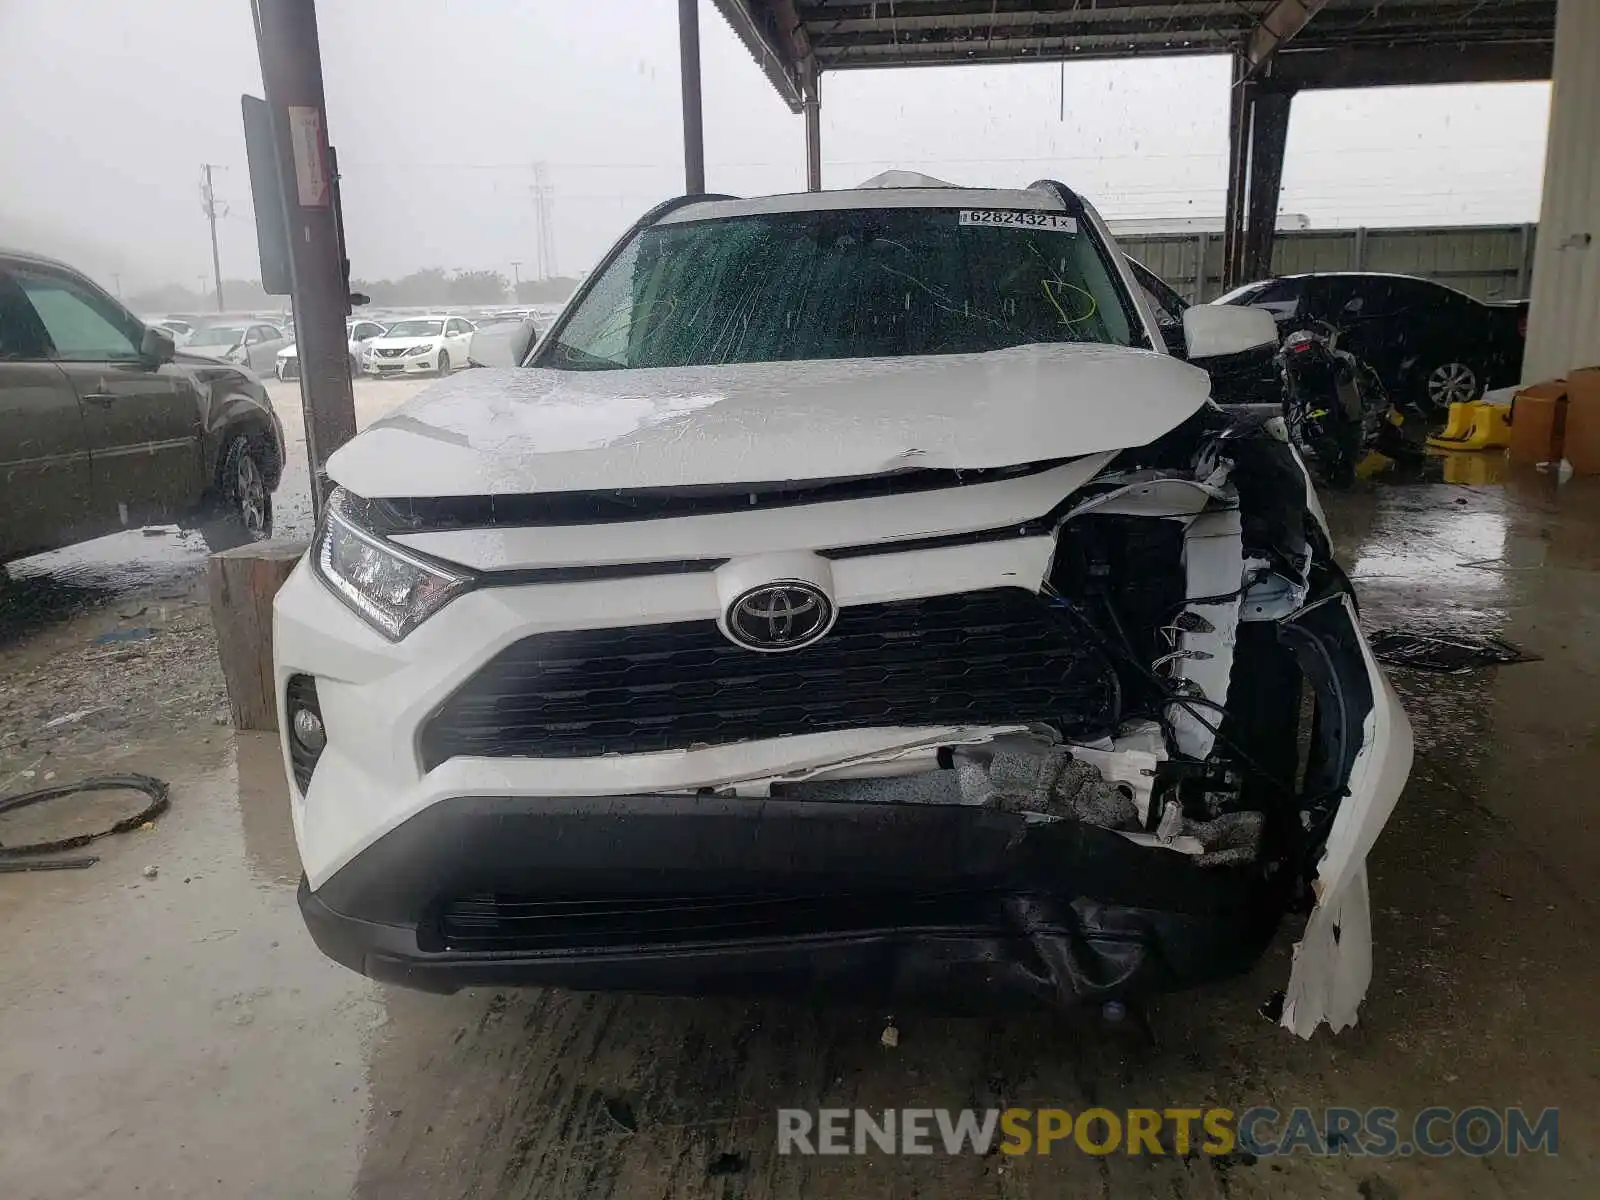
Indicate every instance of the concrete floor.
{"type": "Point", "coordinates": [180, 1036]}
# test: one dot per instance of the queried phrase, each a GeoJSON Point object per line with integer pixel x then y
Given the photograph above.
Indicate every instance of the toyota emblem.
{"type": "Point", "coordinates": [780, 616]}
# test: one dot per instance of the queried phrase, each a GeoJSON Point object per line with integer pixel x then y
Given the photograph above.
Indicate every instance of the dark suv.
{"type": "Point", "coordinates": [104, 426]}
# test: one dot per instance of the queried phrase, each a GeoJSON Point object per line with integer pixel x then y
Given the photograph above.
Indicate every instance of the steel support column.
{"type": "Point", "coordinates": [694, 141]}
{"type": "Point", "coordinates": [1269, 135]}
{"type": "Point", "coordinates": [291, 72]}
{"type": "Point", "coordinates": [1238, 165]}
{"type": "Point", "coordinates": [813, 110]}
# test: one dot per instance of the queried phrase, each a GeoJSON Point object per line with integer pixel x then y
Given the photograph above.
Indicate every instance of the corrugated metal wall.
{"type": "Point", "coordinates": [1564, 323]}
{"type": "Point", "coordinates": [1492, 262]}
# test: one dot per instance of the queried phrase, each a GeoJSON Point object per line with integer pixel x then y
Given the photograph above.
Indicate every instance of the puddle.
{"type": "Point", "coordinates": [181, 1035]}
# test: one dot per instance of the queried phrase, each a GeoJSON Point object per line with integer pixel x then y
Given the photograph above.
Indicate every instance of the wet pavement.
{"type": "Point", "coordinates": [180, 1036]}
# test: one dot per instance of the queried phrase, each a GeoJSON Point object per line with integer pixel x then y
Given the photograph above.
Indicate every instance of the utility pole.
{"type": "Point", "coordinates": [208, 202]}
{"type": "Point", "coordinates": [544, 203]}
{"type": "Point", "coordinates": [117, 280]}
{"type": "Point", "coordinates": [516, 278]}
{"type": "Point", "coordinates": [291, 73]}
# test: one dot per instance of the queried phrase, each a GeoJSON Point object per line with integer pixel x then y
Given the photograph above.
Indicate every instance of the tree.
{"type": "Point", "coordinates": [165, 298]}
{"type": "Point", "coordinates": [546, 291]}
{"type": "Point", "coordinates": [478, 287]}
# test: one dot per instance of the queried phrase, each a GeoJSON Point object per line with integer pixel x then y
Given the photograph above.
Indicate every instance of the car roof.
{"type": "Point", "coordinates": [38, 260]}
{"type": "Point", "coordinates": [890, 194]}
{"type": "Point", "coordinates": [1358, 275]}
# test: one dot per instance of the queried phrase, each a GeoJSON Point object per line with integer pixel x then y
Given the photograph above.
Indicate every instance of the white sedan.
{"type": "Point", "coordinates": [419, 346]}
{"type": "Point", "coordinates": [357, 335]}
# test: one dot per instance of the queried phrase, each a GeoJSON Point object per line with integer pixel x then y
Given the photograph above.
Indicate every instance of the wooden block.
{"type": "Point", "coordinates": [1582, 441]}
{"type": "Point", "coordinates": [1538, 423]}
{"type": "Point", "coordinates": [242, 583]}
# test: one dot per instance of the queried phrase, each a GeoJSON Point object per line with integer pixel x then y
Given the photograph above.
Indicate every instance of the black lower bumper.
{"type": "Point", "coordinates": [941, 905]}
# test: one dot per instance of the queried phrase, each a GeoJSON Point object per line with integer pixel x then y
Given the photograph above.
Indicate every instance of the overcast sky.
{"type": "Point", "coordinates": [440, 108]}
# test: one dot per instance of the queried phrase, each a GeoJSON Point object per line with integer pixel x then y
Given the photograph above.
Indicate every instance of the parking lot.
{"type": "Point", "coordinates": [167, 1028]}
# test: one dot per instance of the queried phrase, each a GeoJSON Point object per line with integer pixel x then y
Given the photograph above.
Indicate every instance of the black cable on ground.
{"type": "Point", "coordinates": [24, 858]}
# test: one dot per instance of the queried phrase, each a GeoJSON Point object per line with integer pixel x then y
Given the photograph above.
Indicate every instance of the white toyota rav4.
{"type": "Point", "coordinates": [850, 595]}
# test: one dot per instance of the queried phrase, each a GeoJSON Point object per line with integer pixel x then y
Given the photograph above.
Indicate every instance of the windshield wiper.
{"type": "Point", "coordinates": [574, 359]}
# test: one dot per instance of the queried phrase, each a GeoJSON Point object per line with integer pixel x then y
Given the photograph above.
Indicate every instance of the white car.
{"type": "Point", "coordinates": [851, 595]}
{"type": "Point", "coordinates": [419, 346]}
{"type": "Point", "coordinates": [357, 334]}
{"type": "Point", "coordinates": [177, 327]}
{"type": "Point", "coordinates": [248, 343]}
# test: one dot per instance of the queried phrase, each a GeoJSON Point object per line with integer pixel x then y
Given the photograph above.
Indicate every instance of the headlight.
{"type": "Point", "coordinates": [420, 350]}
{"type": "Point", "coordinates": [391, 590]}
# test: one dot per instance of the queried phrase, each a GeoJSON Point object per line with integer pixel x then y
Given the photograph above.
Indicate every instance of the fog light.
{"type": "Point", "coordinates": [308, 730]}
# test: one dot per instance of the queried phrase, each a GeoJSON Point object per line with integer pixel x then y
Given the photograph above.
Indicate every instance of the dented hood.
{"type": "Point", "coordinates": [496, 432]}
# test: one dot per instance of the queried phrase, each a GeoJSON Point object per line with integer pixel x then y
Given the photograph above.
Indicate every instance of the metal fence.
{"type": "Point", "coordinates": [1491, 262]}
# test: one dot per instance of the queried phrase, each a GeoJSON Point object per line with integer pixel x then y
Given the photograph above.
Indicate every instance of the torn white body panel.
{"type": "Point", "coordinates": [1333, 960]}
{"type": "Point", "coordinates": [858, 522]}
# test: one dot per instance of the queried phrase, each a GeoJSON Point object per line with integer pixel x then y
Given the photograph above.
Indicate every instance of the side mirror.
{"type": "Point", "coordinates": [1214, 330]}
{"type": "Point", "coordinates": [156, 346]}
{"type": "Point", "coordinates": [524, 340]}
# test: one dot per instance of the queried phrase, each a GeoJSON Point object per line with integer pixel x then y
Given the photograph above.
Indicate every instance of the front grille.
{"type": "Point", "coordinates": [390, 352]}
{"type": "Point", "coordinates": [988, 657]}
{"type": "Point", "coordinates": [528, 924]}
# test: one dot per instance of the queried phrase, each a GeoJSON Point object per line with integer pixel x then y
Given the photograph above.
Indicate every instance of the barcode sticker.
{"type": "Point", "coordinates": [1018, 218]}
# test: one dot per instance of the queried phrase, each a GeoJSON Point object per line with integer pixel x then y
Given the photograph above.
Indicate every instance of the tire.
{"type": "Point", "coordinates": [355, 367]}
{"type": "Point", "coordinates": [243, 512]}
{"type": "Point", "coordinates": [444, 363]}
{"type": "Point", "coordinates": [1447, 383]}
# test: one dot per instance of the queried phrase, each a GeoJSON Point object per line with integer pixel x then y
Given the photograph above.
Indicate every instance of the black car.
{"type": "Point", "coordinates": [1430, 344]}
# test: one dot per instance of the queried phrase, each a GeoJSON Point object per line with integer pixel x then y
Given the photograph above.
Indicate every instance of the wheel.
{"type": "Point", "coordinates": [444, 363]}
{"type": "Point", "coordinates": [355, 367]}
{"type": "Point", "coordinates": [1450, 383]}
{"type": "Point", "coordinates": [244, 505]}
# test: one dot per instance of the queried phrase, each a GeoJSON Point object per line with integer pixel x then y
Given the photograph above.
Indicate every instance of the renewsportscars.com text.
{"type": "Point", "coordinates": [1262, 1131]}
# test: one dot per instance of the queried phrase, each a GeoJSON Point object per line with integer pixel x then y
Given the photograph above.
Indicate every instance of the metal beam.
{"type": "Point", "coordinates": [813, 107]}
{"type": "Point", "coordinates": [291, 73]}
{"type": "Point", "coordinates": [752, 22]}
{"type": "Point", "coordinates": [1269, 134]}
{"type": "Point", "coordinates": [1238, 167]}
{"type": "Point", "coordinates": [694, 139]}
{"type": "Point", "coordinates": [1285, 19]}
{"type": "Point", "coordinates": [1297, 69]}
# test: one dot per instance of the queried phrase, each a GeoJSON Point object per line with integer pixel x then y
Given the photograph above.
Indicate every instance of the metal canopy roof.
{"type": "Point", "coordinates": [1319, 43]}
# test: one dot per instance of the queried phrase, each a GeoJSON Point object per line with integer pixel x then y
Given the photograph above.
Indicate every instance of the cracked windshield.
{"type": "Point", "coordinates": [799, 599]}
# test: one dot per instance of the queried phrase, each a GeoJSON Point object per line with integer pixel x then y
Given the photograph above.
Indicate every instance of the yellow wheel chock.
{"type": "Point", "coordinates": [1477, 425]}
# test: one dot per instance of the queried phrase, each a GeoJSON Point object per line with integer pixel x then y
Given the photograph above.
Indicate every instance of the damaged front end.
{"type": "Point", "coordinates": [1091, 743]}
{"type": "Point", "coordinates": [1237, 764]}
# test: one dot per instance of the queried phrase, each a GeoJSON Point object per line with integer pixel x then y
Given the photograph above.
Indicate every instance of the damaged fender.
{"type": "Point", "coordinates": [1373, 748]}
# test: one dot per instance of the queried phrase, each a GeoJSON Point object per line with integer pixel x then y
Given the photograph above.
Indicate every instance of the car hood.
{"type": "Point", "coordinates": [521, 430]}
{"type": "Point", "coordinates": [403, 343]}
{"type": "Point", "coordinates": [207, 353]}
